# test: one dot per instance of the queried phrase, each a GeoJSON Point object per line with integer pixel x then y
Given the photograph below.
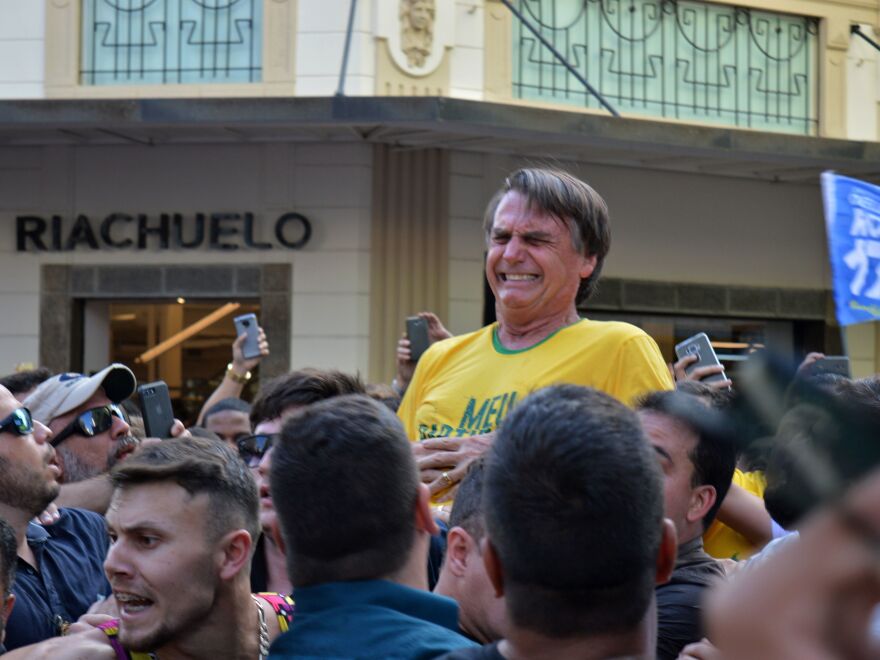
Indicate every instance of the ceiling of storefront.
{"type": "Point", "coordinates": [411, 123]}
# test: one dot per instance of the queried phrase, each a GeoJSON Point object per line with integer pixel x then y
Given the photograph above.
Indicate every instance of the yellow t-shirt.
{"type": "Point", "coordinates": [723, 542]}
{"type": "Point", "coordinates": [465, 385]}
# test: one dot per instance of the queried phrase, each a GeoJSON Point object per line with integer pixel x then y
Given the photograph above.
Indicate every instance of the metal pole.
{"type": "Point", "coordinates": [340, 91]}
{"type": "Point", "coordinates": [559, 57]}
{"type": "Point", "coordinates": [856, 29]}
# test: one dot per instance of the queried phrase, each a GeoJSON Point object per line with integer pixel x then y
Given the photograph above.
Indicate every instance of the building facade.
{"type": "Point", "coordinates": [127, 127]}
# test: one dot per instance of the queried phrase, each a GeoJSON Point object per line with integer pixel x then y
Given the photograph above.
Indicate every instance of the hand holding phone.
{"type": "Point", "coordinates": [417, 333]}
{"type": "Point", "coordinates": [700, 347]}
{"type": "Point", "coordinates": [246, 324]}
{"type": "Point", "coordinates": [156, 409]}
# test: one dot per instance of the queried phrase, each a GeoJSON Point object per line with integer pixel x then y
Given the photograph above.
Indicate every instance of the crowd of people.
{"type": "Point", "coordinates": [543, 487]}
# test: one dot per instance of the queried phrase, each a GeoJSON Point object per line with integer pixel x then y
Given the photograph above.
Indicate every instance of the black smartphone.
{"type": "Point", "coordinates": [246, 324]}
{"type": "Point", "coordinates": [831, 364]}
{"type": "Point", "coordinates": [156, 409]}
{"type": "Point", "coordinates": [417, 333]}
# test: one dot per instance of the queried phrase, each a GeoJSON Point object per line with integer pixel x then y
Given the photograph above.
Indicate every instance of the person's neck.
{"type": "Point", "coordinates": [19, 520]}
{"type": "Point", "coordinates": [277, 579]}
{"type": "Point", "coordinates": [230, 630]}
{"type": "Point", "coordinates": [414, 572]}
{"type": "Point", "coordinates": [516, 332]}
{"type": "Point", "coordinates": [448, 586]}
{"type": "Point", "coordinates": [637, 644]}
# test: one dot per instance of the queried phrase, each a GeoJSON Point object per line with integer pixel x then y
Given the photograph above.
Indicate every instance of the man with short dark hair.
{"type": "Point", "coordinates": [183, 522]}
{"type": "Point", "coordinates": [463, 576]}
{"type": "Point", "coordinates": [547, 235]}
{"type": "Point", "coordinates": [575, 535]}
{"type": "Point", "coordinates": [8, 559]}
{"type": "Point", "coordinates": [356, 553]}
{"type": "Point", "coordinates": [697, 470]}
{"type": "Point", "coordinates": [58, 572]}
{"type": "Point", "coordinates": [229, 419]}
{"type": "Point", "coordinates": [279, 399]}
{"type": "Point", "coordinates": [21, 383]}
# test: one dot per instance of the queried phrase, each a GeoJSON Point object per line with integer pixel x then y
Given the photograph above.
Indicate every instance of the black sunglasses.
{"type": "Point", "coordinates": [252, 448]}
{"type": "Point", "coordinates": [19, 421]}
{"type": "Point", "coordinates": [90, 423]}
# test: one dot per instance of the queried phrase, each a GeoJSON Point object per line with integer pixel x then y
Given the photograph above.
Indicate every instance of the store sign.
{"type": "Point", "coordinates": [217, 231]}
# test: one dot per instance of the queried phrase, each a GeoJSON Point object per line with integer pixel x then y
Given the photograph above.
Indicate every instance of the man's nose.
{"type": "Point", "coordinates": [119, 429]}
{"type": "Point", "coordinates": [42, 433]}
{"type": "Point", "coordinates": [117, 564]}
{"type": "Point", "coordinates": [513, 249]}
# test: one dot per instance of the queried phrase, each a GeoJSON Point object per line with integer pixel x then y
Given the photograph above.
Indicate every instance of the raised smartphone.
{"type": "Point", "coordinates": [247, 324]}
{"type": "Point", "coordinates": [156, 409]}
{"type": "Point", "coordinates": [700, 346]}
{"type": "Point", "coordinates": [417, 333]}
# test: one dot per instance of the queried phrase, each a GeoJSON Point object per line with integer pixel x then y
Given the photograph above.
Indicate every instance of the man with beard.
{"type": "Point", "coordinates": [59, 568]}
{"type": "Point", "coordinates": [90, 430]}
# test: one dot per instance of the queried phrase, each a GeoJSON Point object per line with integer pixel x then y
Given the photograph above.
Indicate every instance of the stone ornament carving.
{"type": "Point", "coordinates": [417, 32]}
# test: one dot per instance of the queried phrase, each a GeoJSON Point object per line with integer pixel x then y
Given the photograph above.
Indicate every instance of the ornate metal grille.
{"type": "Point", "coordinates": [681, 59]}
{"type": "Point", "coordinates": [171, 41]}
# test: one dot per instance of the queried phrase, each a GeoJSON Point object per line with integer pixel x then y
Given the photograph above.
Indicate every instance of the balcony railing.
{"type": "Point", "coordinates": [681, 59]}
{"type": "Point", "coordinates": [137, 42]}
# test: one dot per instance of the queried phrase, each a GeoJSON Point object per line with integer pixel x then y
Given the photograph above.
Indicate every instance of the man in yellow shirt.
{"type": "Point", "coordinates": [547, 237]}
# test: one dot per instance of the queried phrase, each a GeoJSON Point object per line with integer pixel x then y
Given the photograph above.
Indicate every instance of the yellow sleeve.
{"type": "Point", "coordinates": [414, 394]}
{"type": "Point", "coordinates": [640, 370]}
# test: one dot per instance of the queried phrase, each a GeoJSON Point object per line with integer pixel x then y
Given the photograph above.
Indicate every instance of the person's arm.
{"type": "Point", "coordinates": [233, 383]}
{"type": "Point", "coordinates": [816, 597]}
{"type": "Point", "coordinates": [745, 513]}
{"type": "Point", "coordinates": [94, 494]}
{"type": "Point", "coordinates": [89, 645]}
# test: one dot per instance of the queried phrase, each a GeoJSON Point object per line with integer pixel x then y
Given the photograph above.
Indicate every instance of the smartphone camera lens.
{"type": "Point", "coordinates": [246, 324]}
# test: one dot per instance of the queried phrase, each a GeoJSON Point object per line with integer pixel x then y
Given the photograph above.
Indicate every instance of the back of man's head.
{"type": "Point", "coordinates": [22, 383]}
{"type": "Point", "coordinates": [346, 488]}
{"type": "Point", "coordinates": [713, 456]}
{"type": "Point", "coordinates": [198, 465]}
{"type": "Point", "coordinates": [574, 511]}
{"type": "Point", "coordinates": [301, 388]}
{"type": "Point", "coordinates": [467, 510]}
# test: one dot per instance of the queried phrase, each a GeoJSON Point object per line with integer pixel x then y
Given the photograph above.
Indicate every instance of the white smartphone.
{"type": "Point", "coordinates": [700, 346]}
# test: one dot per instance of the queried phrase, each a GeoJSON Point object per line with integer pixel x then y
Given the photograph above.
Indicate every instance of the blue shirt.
{"type": "Point", "coordinates": [369, 619]}
{"type": "Point", "coordinates": [70, 556]}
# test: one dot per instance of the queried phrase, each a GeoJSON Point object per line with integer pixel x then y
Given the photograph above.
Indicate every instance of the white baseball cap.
{"type": "Point", "coordinates": [62, 393]}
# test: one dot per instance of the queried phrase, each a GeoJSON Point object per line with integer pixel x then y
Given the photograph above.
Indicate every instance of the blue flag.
{"type": "Point", "coordinates": [852, 218]}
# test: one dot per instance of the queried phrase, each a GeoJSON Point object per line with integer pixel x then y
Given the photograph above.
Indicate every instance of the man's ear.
{"type": "Point", "coordinates": [702, 499]}
{"type": "Point", "coordinates": [234, 553]}
{"type": "Point", "coordinates": [424, 518]}
{"type": "Point", "coordinates": [666, 553]}
{"type": "Point", "coordinates": [494, 569]}
{"type": "Point", "coordinates": [458, 546]}
{"type": "Point", "coordinates": [588, 265]}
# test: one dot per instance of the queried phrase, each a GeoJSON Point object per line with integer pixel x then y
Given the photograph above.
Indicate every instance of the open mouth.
{"type": "Point", "coordinates": [518, 277]}
{"type": "Point", "coordinates": [132, 604]}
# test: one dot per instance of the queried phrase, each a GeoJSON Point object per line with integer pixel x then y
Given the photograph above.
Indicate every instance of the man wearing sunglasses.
{"type": "Point", "coordinates": [277, 401]}
{"type": "Point", "coordinates": [90, 430]}
{"type": "Point", "coordinates": [59, 570]}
